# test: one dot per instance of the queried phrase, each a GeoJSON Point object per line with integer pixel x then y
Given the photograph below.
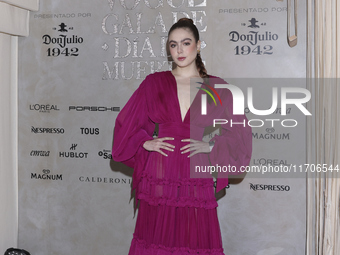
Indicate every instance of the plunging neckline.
{"type": "Point", "coordinates": [178, 104]}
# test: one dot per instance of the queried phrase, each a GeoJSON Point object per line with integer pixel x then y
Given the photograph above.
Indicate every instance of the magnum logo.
{"type": "Point", "coordinates": [47, 176]}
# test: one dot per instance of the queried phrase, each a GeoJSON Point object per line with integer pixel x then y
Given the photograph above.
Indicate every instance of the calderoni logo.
{"type": "Point", "coordinates": [108, 180]}
{"type": "Point", "coordinates": [46, 175]}
{"type": "Point", "coordinates": [268, 187]}
{"type": "Point", "coordinates": [43, 108]}
{"type": "Point", "coordinates": [94, 108]}
{"type": "Point", "coordinates": [40, 130]}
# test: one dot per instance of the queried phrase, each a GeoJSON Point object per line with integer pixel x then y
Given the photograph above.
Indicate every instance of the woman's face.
{"type": "Point", "coordinates": [183, 47]}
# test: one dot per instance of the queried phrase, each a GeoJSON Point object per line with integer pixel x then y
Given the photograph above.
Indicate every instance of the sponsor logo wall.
{"type": "Point", "coordinates": [81, 63]}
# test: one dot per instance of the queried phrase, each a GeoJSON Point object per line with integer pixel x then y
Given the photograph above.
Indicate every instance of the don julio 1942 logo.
{"type": "Point", "coordinates": [254, 38]}
{"type": "Point", "coordinates": [64, 44]}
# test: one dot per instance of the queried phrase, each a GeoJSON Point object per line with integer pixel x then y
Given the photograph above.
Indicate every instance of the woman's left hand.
{"type": "Point", "coordinates": [195, 147]}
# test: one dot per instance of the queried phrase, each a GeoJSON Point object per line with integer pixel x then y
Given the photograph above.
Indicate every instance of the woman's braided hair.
{"type": "Point", "coordinates": [189, 24]}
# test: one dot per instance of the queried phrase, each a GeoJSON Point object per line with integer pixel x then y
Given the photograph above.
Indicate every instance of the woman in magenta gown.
{"type": "Point", "coordinates": [177, 213]}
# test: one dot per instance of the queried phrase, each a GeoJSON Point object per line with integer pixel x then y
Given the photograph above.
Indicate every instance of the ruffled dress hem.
{"type": "Point", "coordinates": [139, 247]}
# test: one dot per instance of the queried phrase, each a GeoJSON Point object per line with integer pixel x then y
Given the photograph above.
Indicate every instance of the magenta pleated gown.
{"type": "Point", "coordinates": [177, 214]}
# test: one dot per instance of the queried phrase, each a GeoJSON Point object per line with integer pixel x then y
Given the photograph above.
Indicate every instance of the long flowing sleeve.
{"type": "Point", "coordinates": [233, 147]}
{"type": "Point", "coordinates": [132, 128]}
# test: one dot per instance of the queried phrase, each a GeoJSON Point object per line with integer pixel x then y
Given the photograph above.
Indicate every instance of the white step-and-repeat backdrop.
{"type": "Point", "coordinates": [81, 63]}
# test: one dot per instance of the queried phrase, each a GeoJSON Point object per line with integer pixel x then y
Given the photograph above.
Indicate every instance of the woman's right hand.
{"type": "Point", "coordinates": [158, 143]}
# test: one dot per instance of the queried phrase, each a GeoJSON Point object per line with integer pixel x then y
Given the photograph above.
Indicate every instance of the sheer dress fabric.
{"type": "Point", "coordinates": [177, 214]}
